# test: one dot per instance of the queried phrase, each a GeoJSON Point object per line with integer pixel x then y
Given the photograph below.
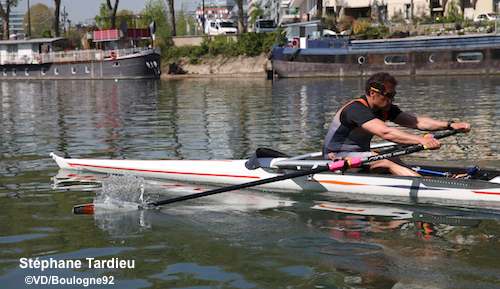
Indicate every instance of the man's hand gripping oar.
{"type": "Point", "coordinates": [333, 166]}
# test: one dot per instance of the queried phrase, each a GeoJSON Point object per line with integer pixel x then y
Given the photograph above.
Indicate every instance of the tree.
{"type": "Point", "coordinates": [102, 20]}
{"type": "Point", "coordinates": [41, 17]}
{"type": "Point", "coordinates": [47, 33]}
{"type": "Point", "coordinates": [181, 21]}
{"type": "Point", "coordinates": [112, 13]}
{"type": "Point", "coordinates": [172, 17]}
{"type": "Point", "coordinates": [126, 15]}
{"type": "Point", "coordinates": [56, 17]}
{"type": "Point", "coordinates": [256, 13]}
{"type": "Point", "coordinates": [241, 20]}
{"type": "Point", "coordinates": [5, 14]}
{"type": "Point", "coordinates": [156, 11]}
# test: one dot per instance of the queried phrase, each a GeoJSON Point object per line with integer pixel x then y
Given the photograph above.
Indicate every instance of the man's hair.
{"type": "Point", "coordinates": [377, 81]}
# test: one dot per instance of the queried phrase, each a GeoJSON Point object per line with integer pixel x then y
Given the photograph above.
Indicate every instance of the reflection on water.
{"type": "Point", "coordinates": [242, 239]}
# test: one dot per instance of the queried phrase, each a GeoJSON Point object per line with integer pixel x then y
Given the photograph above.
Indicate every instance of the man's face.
{"type": "Point", "coordinates": [387, 98]}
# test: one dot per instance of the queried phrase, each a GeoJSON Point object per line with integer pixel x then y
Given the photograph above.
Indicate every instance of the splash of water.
{"type": "Point", "coordinates": [126, 189]}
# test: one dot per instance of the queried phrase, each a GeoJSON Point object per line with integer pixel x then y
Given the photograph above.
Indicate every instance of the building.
{"type": "Point", "coordinates": [386, 10]}
{"type": "Point", "coordinates": [15, 21]}
{"type": "Point", "coordinates": [271, 8]}
{"type": "Point", "coordinates": [220, 9]}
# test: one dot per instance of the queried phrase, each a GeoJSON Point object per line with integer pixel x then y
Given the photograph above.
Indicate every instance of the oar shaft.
{"type": "Point", "coordinates": [242, 186]}
{"type": "Point", "coordinates": [334, 166]}
{"type": "Point", "coordinates": [409, 150]}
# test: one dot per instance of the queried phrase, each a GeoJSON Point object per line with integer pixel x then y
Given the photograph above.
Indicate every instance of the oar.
{"type": "Point", "coordinates": [333, 166]}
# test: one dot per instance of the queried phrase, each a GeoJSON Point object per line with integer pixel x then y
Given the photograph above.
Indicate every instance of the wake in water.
{"type": "Point", "coordinates": [121, 192]}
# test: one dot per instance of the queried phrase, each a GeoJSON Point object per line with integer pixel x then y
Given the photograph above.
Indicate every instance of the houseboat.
{"type": "Point", "coordinates": [116, 55]}
{"type": "Point", "coordinates": [308, 53]}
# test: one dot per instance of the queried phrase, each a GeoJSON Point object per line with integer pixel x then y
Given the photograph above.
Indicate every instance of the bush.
{"type": "Point", "coordinates": [250, 44]}
{"type": "Point", "coordinates": [346, 23]}
{"type": "Point", "coordinates": [360, 27]}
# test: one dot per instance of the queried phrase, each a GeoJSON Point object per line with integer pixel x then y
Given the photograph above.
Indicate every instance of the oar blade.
{"type": "Point", "coordinates": [87, 209]}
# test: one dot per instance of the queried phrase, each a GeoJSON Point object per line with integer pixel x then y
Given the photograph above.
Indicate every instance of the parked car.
{"type": "Point", "coordinates": [263, 26]}
{"type": "Point", "coordinates": [485, 17]}
{"type": "Point", "coordinates": [220, 26]}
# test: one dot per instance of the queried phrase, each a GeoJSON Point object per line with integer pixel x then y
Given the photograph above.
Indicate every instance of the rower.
{"type": "Point", "coordinates": [359, 120]}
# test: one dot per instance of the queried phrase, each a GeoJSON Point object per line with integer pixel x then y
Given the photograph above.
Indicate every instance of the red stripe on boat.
{"type": "Point", "coordinates": [485, 193]}
{"type": "Point", "coordinates": [164, 172]}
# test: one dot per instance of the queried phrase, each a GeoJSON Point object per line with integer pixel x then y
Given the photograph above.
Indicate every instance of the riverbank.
{"type": "Point", "coordinates": [218, 66]}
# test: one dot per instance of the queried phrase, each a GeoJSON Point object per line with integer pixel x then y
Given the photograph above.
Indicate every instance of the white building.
{"type": "Point", "coordinates": [383, 10]}
{"type": "Point", "coordinates": [15, 21]}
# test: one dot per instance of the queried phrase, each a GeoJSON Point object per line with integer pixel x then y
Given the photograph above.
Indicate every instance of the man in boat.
{"type": "Point", "coordinates": [358, 121]}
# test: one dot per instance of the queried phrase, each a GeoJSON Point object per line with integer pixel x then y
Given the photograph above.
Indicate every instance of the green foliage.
{"type": "Point", "coordinates": [250, 44]}
{"type": "Point", "coordinates": [361, 26]}
{"type": "Point", "coordinates": [453, 13]}
{"type": "Point", "coordinates": [102, 20]}
{"type": "Point", "coordinates": [183, 20]}
{"type": "Point", "coordinates": [42, 17]}
{"type": "Point", "coordinates": [47, 33]}
{"type": "Point", "coordinates": [126, 15]}
{"type": "Point", "coordinates": [194, 52]}
{"type": "Point", "coordinates": [257, 13]}
{"type": "Point", "coordinates": [157, 11]}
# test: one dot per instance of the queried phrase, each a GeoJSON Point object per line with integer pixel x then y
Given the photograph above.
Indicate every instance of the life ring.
{"type": "Point", "coordinates": [295, 43]}
{"type": "Point", "coordinates": [113, 54]}
{"type": "Point", "coordinates": [38, 59]}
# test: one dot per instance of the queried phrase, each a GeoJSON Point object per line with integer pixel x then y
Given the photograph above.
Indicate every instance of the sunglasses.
{"type": "Point", "coordinates": [389, 95]}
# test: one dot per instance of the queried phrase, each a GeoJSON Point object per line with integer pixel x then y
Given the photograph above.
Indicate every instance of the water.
{"type": "Point", "coordinates": [240, 239]}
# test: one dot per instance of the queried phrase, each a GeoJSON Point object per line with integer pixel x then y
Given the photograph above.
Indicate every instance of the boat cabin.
{"type": "Point", "coordinates": [313, 34]}
{"type": "Point", "coordinates": [24, 51]}
{"type": "Point", "coordinates": [109, 39]}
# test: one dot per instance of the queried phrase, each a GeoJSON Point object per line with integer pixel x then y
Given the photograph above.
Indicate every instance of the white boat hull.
{"type": "Point", "coordinates": [232, 172]}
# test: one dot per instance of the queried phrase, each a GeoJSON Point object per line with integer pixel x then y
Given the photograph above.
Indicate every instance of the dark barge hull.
{"type": "Point", "coordinates": [142, 66]}
{"type": "Point", "coordinates": [409, 56]}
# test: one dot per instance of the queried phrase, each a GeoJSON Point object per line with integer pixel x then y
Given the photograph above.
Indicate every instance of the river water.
{"type": "Point", "coordinates": [240, 239]}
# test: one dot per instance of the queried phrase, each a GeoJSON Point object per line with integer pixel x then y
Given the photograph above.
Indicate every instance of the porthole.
{"type": "Point", "coordinates": [432, 58]}
{"type": "Point", "coordinates": [87, 70]}
{"type": "Point", "coordinates": [116, 64]}
{"type": "Point", "coordinates": [4, 72]}
{"type": "Point", "coordinates": [14, 72]}
{"type": "Point", "coordinates": [73, 70]}
{"type": "Point", "coordinates": [42, 71]}
{"type": "Point", "coordinates": [56, 71]}
{"type": "Point", "coordinates": [26, 72]}
{"type": "Point", "coordinates": [396, 59]}
{"type": "Point", "coordinates": [361, 60]}
{"type": "Point", "coordinates": [470, 57]}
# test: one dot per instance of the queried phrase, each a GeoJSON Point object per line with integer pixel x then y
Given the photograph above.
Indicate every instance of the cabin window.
{"type": "Point", "coordinates": [42, 71]}
{"type": "Point", "coordinates": [361, 60]}
{"type": "Point", "coordinates": [73, 70]}
{"type": "Point", "coordinates": [470, 57]}
{"type": "Point", "coordinates": [26, 72]}
{"type": "Point", "coordinates": [302, 31]}
{"type": "Point", "coordinates": [343, 45]}
{"type": "Point", "coordinates": [87, 70]}
{"type": "Point", "coordinates": [432, 58]}
{"type": "Point", "coordinates": [56, 71]}
{"type": "Point", "coordinates": [331, 44]}
{"type": "Point", "coordinates": [116, 64]}
{"type": "Point", "coordinates": [396, 59]}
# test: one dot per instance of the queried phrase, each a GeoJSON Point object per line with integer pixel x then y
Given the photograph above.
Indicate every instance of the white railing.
{"type": "Point", "coordinates": [72, 55]}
